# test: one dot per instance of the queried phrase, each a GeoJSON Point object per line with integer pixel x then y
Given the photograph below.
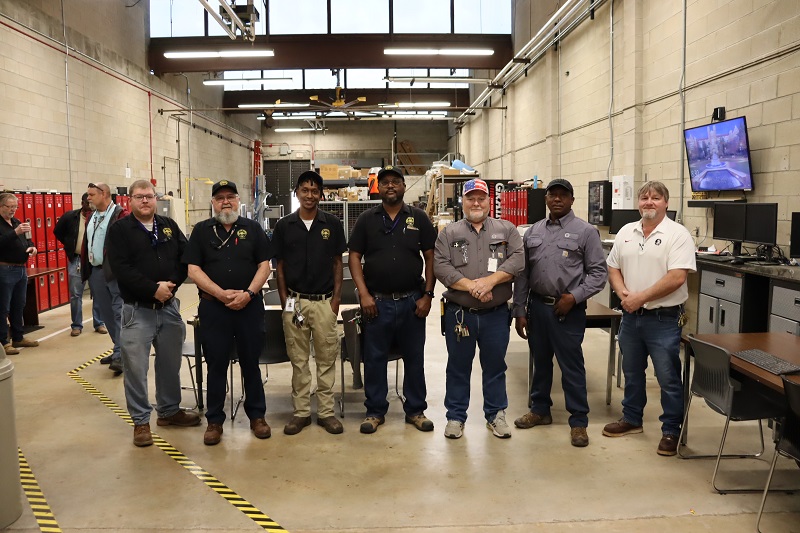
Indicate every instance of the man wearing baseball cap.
{"type": "Point", "coordinates": [565, 266]}
{"type": "Point", "coordinates": [477, 258]}
{"type": "Point", "coordinates": [396, 241]}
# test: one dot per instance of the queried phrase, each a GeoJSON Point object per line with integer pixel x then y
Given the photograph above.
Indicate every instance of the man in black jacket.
{"type": "Point", "coordinates": [145, 252]}
{"type": "Point", "coordinates": [69, 231]}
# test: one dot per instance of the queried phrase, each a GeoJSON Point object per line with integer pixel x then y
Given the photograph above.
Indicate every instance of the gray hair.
{"type": "Point", "coordinates": [4, 197]}
{"type": "Point", "coordinates": [654, 186]}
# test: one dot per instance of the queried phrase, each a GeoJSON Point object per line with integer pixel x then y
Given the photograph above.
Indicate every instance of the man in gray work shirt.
{"type": "Point", "coordinates": [477, 258]}
{"type": "Point", "coordinates": [564, 267]}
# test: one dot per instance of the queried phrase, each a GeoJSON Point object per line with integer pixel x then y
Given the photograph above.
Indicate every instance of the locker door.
{"type": "Point", "coordinates": [706, 314]}
{"type": "Point", "coordinates": [728, 319]}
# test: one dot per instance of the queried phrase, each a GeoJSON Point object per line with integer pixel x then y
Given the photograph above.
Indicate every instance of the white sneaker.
{"type": "Point", "coordinates": [454, 429]}
{"type": "Point", "coordinates": [499, 426]}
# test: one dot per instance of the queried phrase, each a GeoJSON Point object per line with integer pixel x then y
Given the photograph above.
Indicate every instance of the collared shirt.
{"type": "Point", "coordinates": [392, 248]}
{"type": "Point", "coordinates": [643, 262]}
{"type": "Point", "coordinates": [140, 258]}
{"type": "Point", "coordinates": [13, 246]}
{"type": "Point", "coordinates": [229, 259]}
{"type": "Point", "coordinates": [308, 254]}
{"type": "Point", "coordinates": [461, 252]}
{"type": "Point", "coordinates": [562, 256]}
{"type": "Point", "coordinates": [96, 234]}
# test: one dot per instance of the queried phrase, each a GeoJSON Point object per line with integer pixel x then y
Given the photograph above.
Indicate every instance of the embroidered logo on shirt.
{"type": "Point", "coordinates": [410, 223]}
{"type": "Point", "coordinates": [167, 232]}
{"type": "Point", "coordinates": [658, 242]}
{"type": "Point", "coordinates": [326, 234]}
{"type": "Point", "coordinates": [242, 234]}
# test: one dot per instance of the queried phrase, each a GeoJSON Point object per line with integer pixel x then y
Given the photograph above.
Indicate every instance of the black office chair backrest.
{"type": "Point", "coordinates": [274, 350]}
{"type": "Point", "coordinates": [712, 375]}
{"type": "Point", "coordinates": [349, 294]}
{"type": "Point", "coordinates": [789, 443]}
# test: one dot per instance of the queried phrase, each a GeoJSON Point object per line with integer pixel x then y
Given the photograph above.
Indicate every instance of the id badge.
{"type": "Point", "coordinates": [289, 305]}
{"type": "Point", "coordinates": [91, 257]}
{"type": "Point", "coordinates": [492, 264]}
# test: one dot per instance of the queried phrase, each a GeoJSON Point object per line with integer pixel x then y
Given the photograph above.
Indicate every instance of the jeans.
{"type": "Point", "coordinates": [548, 336]}
{"type": "Point", "coordinates": [164, 330]}
{"type": "Point", "coordinates": [221, 330]}
{"type": "Point", "coordinates": [395, 325]}
{"type": "Point", "coordinates": [109, 302]}
{"type": "Point", "coordinates": [76, 286]}
{"type": "Point", "coordinates": [658, 334]}
{"type": "Point", "coordinates": [490, 333]}
{"type": "Point", "coordinates": [13, 290]}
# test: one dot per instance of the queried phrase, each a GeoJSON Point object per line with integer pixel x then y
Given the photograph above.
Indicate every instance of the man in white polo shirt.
{"type": "Point", "coordinates": [647, 268]}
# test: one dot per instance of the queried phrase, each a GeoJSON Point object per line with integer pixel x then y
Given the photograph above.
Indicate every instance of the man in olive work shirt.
{"type": "Point", "coordinates": [564, 267]}
{"type": "Point", "coordinates": [393, 238]}
{"type": "Point", "coordinates": [308, 245]}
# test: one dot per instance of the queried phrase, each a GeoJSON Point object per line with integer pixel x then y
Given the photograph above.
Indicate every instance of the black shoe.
{"type": "Point", "coordinates": [105, 360]}
{"type": "Point", "coordinates": [116, 367]}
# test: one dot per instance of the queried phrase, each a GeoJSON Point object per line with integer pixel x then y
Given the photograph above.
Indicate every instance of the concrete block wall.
{"type": "Point", "coordinates": [557, 125]}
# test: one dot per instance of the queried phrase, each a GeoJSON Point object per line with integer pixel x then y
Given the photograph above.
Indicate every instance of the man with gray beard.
{"type": "Point", "coordinates": [228, 258]}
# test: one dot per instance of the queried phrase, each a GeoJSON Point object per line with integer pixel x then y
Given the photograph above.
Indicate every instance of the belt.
{"type": "Point", "coordinates": [546, 300]}
{"type": "Point", "coordinates": [312, 297]}
{"type": "Point", "coordinates": [206, 296]}
{"type": "Point", "coordinates": [477, 310]}
{"type": "Point", "coordinates": [392, 295]}
{"type": "Point", "coordinates": [643, 311]}
{"type": "Point", "coordinates": [3, 263]}
{"type": "Point", "coordinates": [151, 305]}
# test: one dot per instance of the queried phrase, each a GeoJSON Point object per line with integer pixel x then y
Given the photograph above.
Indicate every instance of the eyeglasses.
{"type": "Point", "coordinates": [12, 207]}
{"type": "Point", "coordinates": [229, 198]}
{"type": "Point", "coordinates": [395, 182]}
{"type": "Point", "coordinates": [141, 197]}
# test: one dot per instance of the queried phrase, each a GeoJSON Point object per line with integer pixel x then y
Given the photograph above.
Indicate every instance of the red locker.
{"type": "Point", "coordinates": [49, 220]}
{"type": "Point", "coordinates": [67, 196]}
{"type": "Point", "coordinates": [41, 260]}
{"type": "Point", "coordinates": [53, 289]}
{"type": "Point", "coordinates": [52, 259]}
{"type": "Point", "coordinates": [61, 258]}
{"type": "Point", "coordinates": [20, 214]}
{"type": "Point", "coordinates": [63, 287]}
{"type": "Point", "coordinates": [42, 296]}
{"type": "Point", "coordinates": [27, 201]}
{"type": "Point", "coordinates": [58, 199]}
{"type": "Point", "coordinates": [38, 218]}
{"type": "Point", "coordinates": [31, 261]}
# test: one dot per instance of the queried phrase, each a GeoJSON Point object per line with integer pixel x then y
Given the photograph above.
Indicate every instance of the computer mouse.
{"type": "Point", "coordinates": [737, 261]}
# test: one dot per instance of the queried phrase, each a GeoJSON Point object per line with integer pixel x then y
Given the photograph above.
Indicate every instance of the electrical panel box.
{"type": "Point", "coordinates": [622, 192]}
{"type": "Point", "coordinates": [599, 203]}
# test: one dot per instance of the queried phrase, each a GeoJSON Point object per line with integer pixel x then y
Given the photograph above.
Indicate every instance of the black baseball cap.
{"type": "Point", "coordinates": [309, 175]}
{"type": "Point", "coordinates": [390, 171]}
{"type": "Point", "coordinates": [560, 182]}
{"type": "Point", "coordinates": [224, 184]}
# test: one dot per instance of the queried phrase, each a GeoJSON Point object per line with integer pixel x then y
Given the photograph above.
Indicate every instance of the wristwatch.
{"type": "Point", "coordinates": [430, 293]}
{"type": "Point", "coordinates": [251, 293]}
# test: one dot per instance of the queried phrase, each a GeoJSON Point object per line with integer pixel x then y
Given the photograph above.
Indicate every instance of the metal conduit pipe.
{"type": "Point", "coordinates": [611, 89]}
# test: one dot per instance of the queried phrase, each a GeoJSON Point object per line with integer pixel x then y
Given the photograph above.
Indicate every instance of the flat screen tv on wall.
{"type": "Point", "coordinates": [719, 156]}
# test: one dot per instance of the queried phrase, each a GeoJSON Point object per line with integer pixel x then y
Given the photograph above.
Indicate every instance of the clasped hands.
{"type": "Point", "coordinates": [481, 289]}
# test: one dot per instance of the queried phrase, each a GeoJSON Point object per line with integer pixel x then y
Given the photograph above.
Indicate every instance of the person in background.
{"type": "Point", "coordinates": [145, 252]}
{"type": "Point", "coordinates": [15, 249]}
{"type": "Point", "coordinates": [564, 267]}
{"type": "Point", "coordinates": [308, 245]}
{"type": "Point", "coordinates": [647, 268]}
{"type": "Point", "coordinates": [372, 183]}
{"type": "Point", "coordinates": [228, 258]}
{"type": "Point", "coordinates": [477, 258]}
{"type": "Point", "coordinates": [69, 231]}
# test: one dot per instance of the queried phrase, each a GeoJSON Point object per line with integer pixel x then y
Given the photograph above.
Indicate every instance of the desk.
{"type": "Point", "coordinates": [30, 314]}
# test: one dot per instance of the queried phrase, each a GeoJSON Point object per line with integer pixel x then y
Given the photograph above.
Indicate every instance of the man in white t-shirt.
{"type": "Point", "coordinates": [647, 268]}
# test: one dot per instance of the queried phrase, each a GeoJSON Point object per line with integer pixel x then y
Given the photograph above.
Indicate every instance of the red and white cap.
{"type": "Point", "coordinates": [476, 185]}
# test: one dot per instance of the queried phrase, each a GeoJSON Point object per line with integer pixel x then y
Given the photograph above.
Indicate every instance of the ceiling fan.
{"type": "Point", "coordinates": [338, 102]}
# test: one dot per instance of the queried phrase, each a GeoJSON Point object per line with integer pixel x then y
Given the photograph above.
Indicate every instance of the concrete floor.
{"type": "Point", "coordinates": [396, 480]}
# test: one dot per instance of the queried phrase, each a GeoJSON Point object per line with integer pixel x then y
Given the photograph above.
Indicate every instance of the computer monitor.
{"type": "Point", "coordinates": [620, 217]}
{"type": "Point", "coordinates": [729, 223]}
{"type": "Point", "coordinates": [761, 224]}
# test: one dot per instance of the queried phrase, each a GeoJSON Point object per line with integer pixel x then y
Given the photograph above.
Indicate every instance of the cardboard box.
{"type": "Point", "coordinates": [352, 196]}
{"type": "Point", "coordinates": [364, 172]}
{"type": "Point", "coordinates": [447, 171]}
{"type": "Point", "coordinates": [344, 172]}
{"type": "Point", "coordinates": [329, 172]}
{"type": "Point", "coordinates": [355, 174]}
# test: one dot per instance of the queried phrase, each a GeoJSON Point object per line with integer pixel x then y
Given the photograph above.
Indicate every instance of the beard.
{"type": "Point", "coordinates": [476, 217]}
{"type": "Point", "coordinates": [648, 214]}
{"type": "Point", "coordinates": [226, 218]}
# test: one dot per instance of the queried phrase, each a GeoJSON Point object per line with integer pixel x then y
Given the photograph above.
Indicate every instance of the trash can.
{"type": "Point", "coordinates": [10, 487]}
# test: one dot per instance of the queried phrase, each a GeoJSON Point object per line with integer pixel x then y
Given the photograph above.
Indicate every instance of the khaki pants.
{"type": "Point", "coordinates": [319, 325]}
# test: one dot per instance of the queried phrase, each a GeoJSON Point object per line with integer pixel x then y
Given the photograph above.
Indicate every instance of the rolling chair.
{"type": "Point", "coordinates": [736, 401]}
{"type": "Point", "coordinates": [788, 443]}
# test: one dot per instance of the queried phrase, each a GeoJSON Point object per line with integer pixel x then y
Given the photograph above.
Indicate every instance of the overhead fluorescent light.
{"type": "Point", "coordinates": [438, 51]}
{"type": "Point", "coordinates": [262, 116]}
{"type": "Point", "coordinates": [292, 130]}
{"type": "Point", "coordinates": [241, 81]}
{"type": "Point", "coordinates": [416, 104]}
{"type": "Point", "coordinates": [295, 116]}
{"type": "Point", "coordinates": [270, 106]}
{"type": "Point", "coordinates": [219, 53]}
{"type": "Point", "coordinates": [431, 79]}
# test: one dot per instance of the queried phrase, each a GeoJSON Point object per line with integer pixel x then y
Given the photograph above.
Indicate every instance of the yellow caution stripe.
{"type": "Point", "coordinates": [41, 510]}
{"type": "Point", "coordinates": [210, 481]}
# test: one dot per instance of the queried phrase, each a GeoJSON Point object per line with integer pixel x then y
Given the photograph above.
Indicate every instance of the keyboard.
{"type": "Point", "coordinates": [715, 258]}
{"type": "Point", "coordinates": [767, 361]}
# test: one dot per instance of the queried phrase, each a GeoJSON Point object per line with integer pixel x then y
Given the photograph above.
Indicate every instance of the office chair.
{"type": "Point", "coordinates": [736, 401]}
{"type": "Point", "coordinates": [788, 443]}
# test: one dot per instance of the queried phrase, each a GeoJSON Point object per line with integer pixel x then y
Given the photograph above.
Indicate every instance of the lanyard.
{"type": "Point", "coordinates": [394, 225]}
{"type": "Point", "coordinates": [153, 234]}
{"type": "Point", "coordinates": [97, 221]}
{"type": "Point", "coordinates": [231, 234]}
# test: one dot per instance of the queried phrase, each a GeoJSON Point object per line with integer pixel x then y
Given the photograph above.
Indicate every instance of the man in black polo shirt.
{"type": "Point", "coordinates": [145, 251]}
{"type": "Point", "coordinates": [395, 300]}
{"type": "Point", "coordinates": [228, 259]}
{"type": "Point", "coordinates": [308, 245]}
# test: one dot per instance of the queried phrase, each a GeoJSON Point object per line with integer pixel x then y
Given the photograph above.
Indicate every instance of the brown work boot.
{"type": "Point", "coordinates": [620, 428]}
{"type": "Point", "coordinates": [260, 428]}
{"type": "Point", "coordinates": [420, 422]}
{"type": "Point", "coordinates": [296, 425]}
{"type": "Point", "coordinates": [371, 423]}
{"type": "Point", "coordinates": [10, 350]}
{"type": "Point", "coordinates": [142, 436]}
{"type": "Point", "coordinates": [529, 420]}
{"type": "Point", "coordinates": [578, 437]}
{"type": "Point", "coordinates": [25, 343]}
{"type": "Point", "coordinates": [668, 445]}
{"type": "Point", "coordinates": [75, 332]}
{"type": "Point", "coordinates": [101, 329]}
{"type": "Point", "coordinates": [180, 418]}
{"type": "Point", "coordinates": [213, 434]}
{"type": "Point", "coordinates": [331, 424]}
